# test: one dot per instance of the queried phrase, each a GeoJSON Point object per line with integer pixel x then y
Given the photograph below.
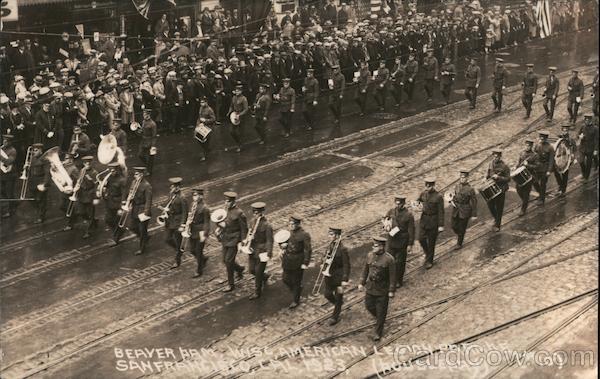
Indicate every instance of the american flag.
{"type": "Point", "coordinates": [143, 6]}
{"type": "Point", "coordinates": [543, 12]}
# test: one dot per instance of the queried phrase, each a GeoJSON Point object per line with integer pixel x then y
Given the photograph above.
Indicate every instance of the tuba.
{"type": "Point", "coordinates": [326, 266]}
{"type": "Point", "coordinates": [59, 175]}
{"type": "Point", "coordinates": [107, 149]}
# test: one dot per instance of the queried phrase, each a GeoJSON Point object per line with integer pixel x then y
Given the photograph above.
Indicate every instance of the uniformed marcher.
{"type": "Point", "coordinates": [561, 174]}
{"type": "Point", "coordinates": [447, 74]}
{"type": "Point", "coordinates": [261, 111]}
{"type": "Point", "coordinates": [176, 212]}
{"type": "Point", "coordinates": [545, 160]}
{"type": "Point", "coordinates": [527, 159]}
{"type": "Point", "coordinates": [39, 181]}
{"type": "Point", "coordinates": [140, 212]}
{"type": "Point", "coordinates": [234, 231]}
{"type": "Point", "coordinates": [147, 149]}
{"type": "Point", "coordinates": [400, 236]}
{"type": "Point", "coordinates": [588, 145]}
{"type": "Point", "coordinates": [339, 271]}
{"type": "Point", "coordinates": [551, 93]}
{"type": "Point", "coordinates": [80, 145]}
{"type": "Point", "coordinates": [311, 97]}
{"type": "Point", "coordinates": [207, 116]}
{"type": "Point", "coordinates": [381, 85]}
{"type": "Point", "coordinates": [430, 73]}
{"type": "Point", "coordinates": [500, 78]}
{"type": "Point", "coordinates": [8, 176]}
{"type": "Point", "coordinates": [115, 193]}
{"type": "Point", "coordinates": [432, 220]}
{"type": "Point", "coordinates": [530, 84]}
{"type": "Point", "coordinates": [296, 258]}
{"type": "Point", "coordinates": [73, 172]}
{"type": "Point", "coordinates": [499, 172]}
{"type": "Point", "coordinates": [398, 79]}
{"type": "Point", "coordinates": [262, 248]}
{"type": "Point", "coordinates": [575, 88]}
{"type": "Point", "coordinates": [472, 79]}
{"type": "Point", "coordinates": [239, 105]}
{"type": "Point", "coordinates": [199, 229]}
{"type": "Point", "coordinates": [85, 197]}
{"type": "Point", "coordinates": [411, 68]}
{"type": "Point", "coordinates": [119, 134]}
{"type": "Point", "coordinates": [363, 80]}
{"type": "Point", "coordinates": [464, 207]}
{"type": "Point", "coordinates": [336, 96]}
{"type": "Point", "coordinates": [378, 278]}
{"type": "Point", "coordinates": [287, 101]}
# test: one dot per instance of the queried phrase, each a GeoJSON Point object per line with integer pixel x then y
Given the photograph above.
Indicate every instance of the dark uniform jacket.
{"type": "Point", "coordinates": [529, 159]}
{"type": "Point", "coordinates": [116, 191]}
{"type": "Point", "coordinates": [298, 251]}
{"type": "Point", "coordinates": [364, 79]}
{"type": "Point", "coordinates": [552, 86]}
{"type": "Point", "coordinates": [545, 157]}
{"type": "Point", "coordinates": [398, 74]}
{"type": "Point", "coordinates": [575, 88]}
{"type": "Point", "coordinates": [43, 125]}
{"type": "Point", "coordinates": [239, 104]}
{"type": "Point", "coordinates": [411, 68]}
{"type": "Point", "coordinates": [311, 89]}
{"type": "Point", "coordinates": [39, 172]}
{"type": "Point", "coordinates": [472, 76]}
{"type": "Point", "coordinates": [200, 222]}
{"type": "Point", "coordinates": [383, 75]}
{"type": "Point", "coordinates": [84, 146]}
{"type": "Point", "coordinates": [11, 155]}
{"type": "Point", "coordinates": [500, 77]}
{"type": "Point", "coordinates": [448, 72]}
{"type": "Point", "coordinates": [208, 114]}
{"type": "Point", "coordinates": [142, 201]}
{"type": "Point", "coordinates": [177, 212]}
{"type": "Point", "coordinates": [340, 267]}
{"type": "Point", "coordinates": [87, 190]}
{"type": "Point", "coordinates": [433, 210]}
{"type": "Point", "coordinates": [236, 227]}
{"type": "Point", "coordinates": [530, 84]}
{"type": "Point", "coordinates": [379, 274]}
{"type": "Point", "coordinates": [430, 67]}
{"type": "Point", "coordinates": [405, 222]}
{"type": "Point", "coordinates": [148, 134]}
{"type": "Point", "coordinates": [262, 106]}
{"type": "Point", "coordinates": [263, 238]}
{"type": "Point", "coordinates": [339, 85]}
{"type": "Point", "coordinates": [287, 99]}
{"type": "Point", "coordinates": [589, 138]}
{"type": "Point", "coordinates": [121, 137]}
{"type": "Point", "coordinates": [501, 169]}
{"type": "Point", "coordinates": [465, 201]}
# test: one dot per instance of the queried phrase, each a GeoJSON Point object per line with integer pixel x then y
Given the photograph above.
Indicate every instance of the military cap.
{"type": "Point", "coordinates": [565, 126]}
{"type": "Point", "coordinates": [38, 78]}
{"type": "Point", "coordinates": [147, 110]}
{"type": "Point", "coordinates": [588, 116]}
{"type": "Point", "coordinates": [38, 145]}
{"type": "Point", "coordinates": [199, 191]}
{"type": "Point", "coordinates": [230, 195]}
{"type": "Point", "coordinates": [380, 240]}
{"type": "Point", "coordinates": [529, 141]}
{"type": "Point", "coordinates": [295, 218]}
{"type": "Point", "coordinates": [543, 133]}
{"type": "Point", "coordinates": [259, 205]}
{"type": "Point", "coordinates": [87, 158]}
{"type": "Point", "coordinates": [335, 66]}
{"type": "Point", "coordinates": [499, 60]}
{"type": "Point", "coordinates": [529, 64]}
{"type": "Point", "coordinates": [335, 229]}
{"type": "Point", "coordinates": [175, 180]}
{"type": "Point", "coordinates": [310, 70]}
{"type": "Point", "coordinates": [464, 171]}
{"type": "Point", "coordinates": [497, 151]}
{"type": "Point", "coordinates": [286, 80]}
{"type": "Point", "coordinates": [429, 50]}
{"type": "Point", "coordinates": [575, 71]}
{"type": "Point", "coordinates": [58, 95]}
{"type": "Point", "coordinates": [400, 198]}
{"type": "Point", "coordinates": [77, 128]}
{"type": "Point", "coordinates": [429, 179]}
{"type": "Point", "coordinates": [139, 168]}
{"type": "Point", "coordinates": [552, 68]}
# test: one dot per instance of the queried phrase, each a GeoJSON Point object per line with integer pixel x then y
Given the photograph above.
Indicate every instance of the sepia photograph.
{"type": "Point", "coordinates": [290, 189]}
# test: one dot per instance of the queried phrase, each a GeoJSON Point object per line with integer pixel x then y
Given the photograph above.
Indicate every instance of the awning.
{"type": "Point", "coordinates": [24, 3]}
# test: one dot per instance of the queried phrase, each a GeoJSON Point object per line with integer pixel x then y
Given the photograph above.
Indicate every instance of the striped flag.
{"type": "Point", "coordinates": [543, 13]}
{"type": "Point", "coordinates": [143, 6]}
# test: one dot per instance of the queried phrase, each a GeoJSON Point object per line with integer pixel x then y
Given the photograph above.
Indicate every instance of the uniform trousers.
{"type": "Point", "coordinates": [429, 85]}
{"type": "Point", "coordinates": [497, 97]}
{"type": "Point", "coordinates": [286, 121]}
{"type": "Point", "coordinates": [236, 133]}
{"type": "Point", "coordinates": [260, 128]}
{"type": "Point", "coordinates": [40, 202]}
{"type": "Point", "coordinates": [471, 95]}
{"type": "Point", "coordinates": [409, 87]}
{"type": "Point", "coordinates": [573, 108]}
{"type": "Point", "coordinates": [293, 280]}
{"type": "Point", "coordinates": [549, 105]}
{"type": "Point", "coordinates": [333, 295]}
{"type": "Point", "coordinates": [197, 249]}
{"type": "Point", "coordinates": [361, 100]}
{"type": "Point", "coordinates": [446, 91]}
{"type": "Point", "coordinates": [144, 155]}
{"type": "Point", "coordinates": [173, 238]}
{"type": "Point", "coordinates": [540, 180]}
{"type": "Point", "coordinates": [377, 305]}
{"type": "Point", "coordinates": [562, 180]}
{"type": "Point", "coordinates": [335, 105]}
{"type": "Point", "coordinates": [309, 113]}
{"type": "Point", "coordinates": [459, 227]}
{"type": "Point", "coordinates": [111, 217]}
{"type": "Point", "coordinates": [397, 92]}
{"type": "Point", "coordinates": [524, 192]}
{"type": "Point", "coordinates": [527, 101]}
{"type": "Point", "coordinates": [496, 207]}
{"type": "Point", "coordinates": [380, 95]}
{"type": "Point", "coordinates": [229, 254]}
{"type": "Point", "coordinates": [85, 211]}
{"type": "Point", "coordinates": [257, 268]}
{"type": "Point", "coordinates": [7, 191]}
{"type": "Point", "coordinates": [399, 254]}
{"type": "Point", "coordinates": [586, 160]}
{"type": "Point", "coordinates": [427, 239]}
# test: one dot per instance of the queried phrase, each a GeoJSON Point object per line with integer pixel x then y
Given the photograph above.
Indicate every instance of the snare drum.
{"type": "Point", "coordinates": [489, 190]}
{"type": "Point", "coordinates": [201, 132]}
{"type": "Point", "coordinates": [521, 176]}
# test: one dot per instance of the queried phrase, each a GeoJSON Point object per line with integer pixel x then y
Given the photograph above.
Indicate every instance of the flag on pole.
{"type": "Point", "coordinates": [143, 6]}
{"type": "Point", "coordinates": [543, 13]}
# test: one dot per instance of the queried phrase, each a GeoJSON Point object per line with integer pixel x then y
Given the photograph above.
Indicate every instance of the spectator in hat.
{"type": "Point", "coordinates": [8, 176]}
{"type": "Point", "coordinates": [39, 181]}
{"type": "Point", "coordinates": [162, 27]}
{"type": "Point", "coordinates": [126, 100]}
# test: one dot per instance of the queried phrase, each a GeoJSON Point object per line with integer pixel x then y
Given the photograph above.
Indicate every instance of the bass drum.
{"type": "Point", "coordinates": [563, 155]}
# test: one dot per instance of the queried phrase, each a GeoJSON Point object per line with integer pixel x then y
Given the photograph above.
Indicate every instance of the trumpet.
{"type": "Point", "coordinates": [164, 216]}
{"type": "Point", "coordinates": [25, 173]}
{"type": "Point", "coordinates": [102, 179]}
{"type": "Point", "coordinates": [326, 266]}
{"type": "Point", "coordinates": [127, 207]}
{"type": "Point", "coordinates": [73, 197]}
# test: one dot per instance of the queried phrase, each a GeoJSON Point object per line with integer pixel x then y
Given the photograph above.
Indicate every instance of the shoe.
{"type": "Point", "coordinates": [286, 135]}
{"type": "Point", "coordinates": [67, 228]}
{"type": "Point", "coordinates": [293, 305]}
{"type": "Point", "coordinates": [86, 236]}
{"type": "Point", "coordinates": [361, 114]}
{"type": "Point", "coordinates": [197, 275]}
{"type": "Point", "coordinates": [175, 265]}
{"type": "Point", "coordinates": [229, 289]}
{"type": "Point", "coordinates": [399, 284]}
{"type": "Point", "coordinates": [240, 274]}
{"type": "Point", "coordinates": [226, 149]}
{"type": "Point", "coordinates": [457, 246]}
{"type": "Point", "coordinates": [562, 194]}
{"type": "Point", "coordinates": [238, 150]}
{"type": "Point", "coordinates": [5, 215]}
{"type": "Point", "coordinates": [261, 143]}
{"type": "Point", "coordinates": [139, 252]}
{"type": "Point", "coordinates": [202, 159]}
{"type": "Point", "coordinates": [376, 337]}
{"type": "Point", "coordinates": [253, 297]}
{"type": "Point", "coordinates": [333, 321]}
{"type": "Point", "coordinates": [521, 213]}
{"type": "Point", "coordinates": [112, 243]}
{"type": "Point", "coordinates": [428, 265]}
{"type": "Point", "coordinates": [495, 228]}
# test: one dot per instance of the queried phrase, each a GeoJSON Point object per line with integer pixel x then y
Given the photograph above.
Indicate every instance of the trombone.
{"type": "Point", "coordinates": [128, 203]}
{"type": "Point", "coordinates": [326, 266]}
{"type": "Point", "coordinates": [73, 197]}
{"type": "Point", "coordinates": [25, 173]}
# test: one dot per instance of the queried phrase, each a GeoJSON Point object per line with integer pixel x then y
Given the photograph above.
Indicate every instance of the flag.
{"type": "Point", "coordinates": [143, 6]}
{"type": "Point", "coordinates": [543, 13]}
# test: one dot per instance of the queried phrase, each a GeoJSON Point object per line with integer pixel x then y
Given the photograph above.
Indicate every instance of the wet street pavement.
{"type": "Point", "coordinates": [68, 303]}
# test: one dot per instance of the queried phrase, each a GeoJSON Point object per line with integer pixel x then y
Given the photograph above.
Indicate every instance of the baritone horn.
{"type": "Point", "coordinates": [107, 149]}
{"type": "Point", "coordinates": [59, 175]}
